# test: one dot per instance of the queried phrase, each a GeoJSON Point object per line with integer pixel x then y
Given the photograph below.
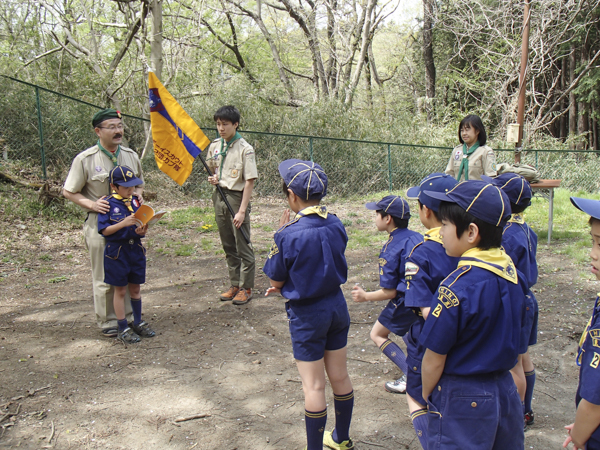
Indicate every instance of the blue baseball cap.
{"type": "Point", "coordinates": [587, 205]}
{"type": "Point", "coordinates": [437, 182]}
{"type": "Point", "coordinates": [124, 176]}
{"type": "Point", "coordinates": [393, 205]}
{"type": "Point", "coordinates": [483, 200]}
{"type": "Point", "coordinates": [306, 179]}
{"type": "Point", "coordinates": [515, 187]}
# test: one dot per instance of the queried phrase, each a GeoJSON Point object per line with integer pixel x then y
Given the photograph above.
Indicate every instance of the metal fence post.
{"type": "Point", "coordinates": [310, 146]}
{"type": "Point", "coordinates": [41, 131]}
{"type": "Point", "coordinates": [390, 165]}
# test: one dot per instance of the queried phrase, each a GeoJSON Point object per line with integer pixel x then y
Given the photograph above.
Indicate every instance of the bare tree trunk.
{"type": "Point", "coordinates": [332, 62]}
{"type": "Point", "coordinates": [428, 11]}
{"type": "Point", "coordinates": [572, 101]}
{"type": "Point", "coordinates": [583, 108]}
{"type": "Point", "coordinates": [563, 131]}
{"type": "Point", "coordinates": [368, 81]}
{"type": "Point", "coordinates": [363, 51]}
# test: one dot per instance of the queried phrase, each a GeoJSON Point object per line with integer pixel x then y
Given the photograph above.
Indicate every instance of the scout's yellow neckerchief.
{"type": "Point", "coordinates": [319, 210]}
{"type": "Point", "coordinates": [126, 200]}
{"type": "Point", "coordinates": [585, 333]}
{"type": "Point", "coordinates": [223, 153]}
{"type": "Point", "coordinates": [113, 157]}
{"type": "Point", "coordinates": [433, 235]}
{"type": "Point", "coordinates": [517, 218]}
{"type": "Point", "coordinates": [464, 164]}
{"type": "Point", "coordinates": [495, 260]}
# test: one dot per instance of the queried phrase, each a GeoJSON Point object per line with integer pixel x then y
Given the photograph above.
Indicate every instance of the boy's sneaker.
{"type": "Point", "coordinates": [229, 294]}
{"type": "Point", "coordinates": [398, 386]}
{"type": "Point", "coordinates": [242, 297]}
{"type": "Point", "coordinates": [143, 329]}
{"type": "Point", "coordinates": [128, 336]}
{"type": "Point", "coordinates": [529, 417]}
{"type": "Point", "coordinates": [329, 442]}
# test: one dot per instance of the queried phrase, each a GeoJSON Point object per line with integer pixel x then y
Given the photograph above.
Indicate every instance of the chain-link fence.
{"type": "Point", "coordinates": [42, 131]}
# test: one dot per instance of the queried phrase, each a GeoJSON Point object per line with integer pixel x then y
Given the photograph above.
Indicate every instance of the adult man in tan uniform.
{"type": "Point", "coordinates": [87, 186]}
{"type": "Point", "coordinates": [233, 163]}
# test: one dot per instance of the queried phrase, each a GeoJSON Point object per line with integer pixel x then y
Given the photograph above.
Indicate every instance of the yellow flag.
{"type": "Point", "coordinates": [177, 138]}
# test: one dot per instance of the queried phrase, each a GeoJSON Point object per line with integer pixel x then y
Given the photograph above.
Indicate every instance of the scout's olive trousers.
{"type": "Point", "coordinates": [103, 293]}
{"type": "Point", "coordinates": [238, 253]}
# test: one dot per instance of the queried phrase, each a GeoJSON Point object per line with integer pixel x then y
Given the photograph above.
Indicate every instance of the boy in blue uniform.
{"type": "Point", "coordinates": [392, 215]}
{"type": "Point", "coordinates": [520, 243]}
{"type": "Point", "coordinates": [124, 255]}
{"type": "Point", "coordinates": [585, 432]}
{"type": "Point", "coordinates": [472, 334]}
{"type": "Point", "coordinates": [426, 267]}
{"type": "Point", "coordinates": [307, 266]}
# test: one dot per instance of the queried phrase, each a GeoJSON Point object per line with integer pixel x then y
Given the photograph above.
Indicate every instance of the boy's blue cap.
{"type": "Point", "coordinates": [483, 200]}
{"type": "Point", "coordinates": [587, 205]}
{"type": "Point", "coordinates": [124, 176]}
{"type": "Point", "coordinates": [515, 187]}
{"type": "Point", "coordinates": [437, 182]}
{"type": "Point", "coordinates": [393, 205]}
{"type": "Point", "coordinates": [306, 179]}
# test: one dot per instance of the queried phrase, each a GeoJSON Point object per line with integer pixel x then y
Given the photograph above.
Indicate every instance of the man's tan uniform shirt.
{"type": "Point", "coordinates": [90, 170]}
{"type": "Point", "coordinates": [238, 167]}
{"type": "Point", "coordinates": [481, 162]}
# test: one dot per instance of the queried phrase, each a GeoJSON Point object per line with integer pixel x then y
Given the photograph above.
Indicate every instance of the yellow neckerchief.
{"type": "Point", "coordinates": [433, 235]}
{"type": "Point", "coordinates": [495, 260]}
{"type": "Point", "coordinates": [517, 218]}
{"type": "Point", "coordinates": [585, 333]}
{"type": "Point", "coordinates": [126, 200]}
{"type": "Point", "coordinates": [319, 210]}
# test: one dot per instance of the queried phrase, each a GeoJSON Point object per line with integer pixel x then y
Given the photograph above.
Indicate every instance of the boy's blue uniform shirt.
{"type": "Point", "coordinates": [520, 243]}
{"type": "Point", "coordinates": [392, 259]}
{"type": "Point", "coordinates": [396, 317]}
{"type": "Point", "coordinates": [426, 267]}
{"type": "Point", "coordinates": [477, 318]}
{"type": "Point", "coordinates": [117, 212]}
{"type": "Point", "coordinates": [589, 372]}
{"type": "Point", "coordinates": [308, 254]}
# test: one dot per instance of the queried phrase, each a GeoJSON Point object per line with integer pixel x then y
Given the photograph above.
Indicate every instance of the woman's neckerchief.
{"type": "Point", "coordinates": [113, 157]}
{"type": "Point", "coordinates": [464, 164]}
{"type": "Point", "coordinates": [223, 153]}
{"type": "Point", "coordinates": [126, 200]}
{"type": "Point", "coordinates": [495, 260]}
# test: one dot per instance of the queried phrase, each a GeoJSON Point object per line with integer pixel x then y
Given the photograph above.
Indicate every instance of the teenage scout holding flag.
{"type": "Point", "coordinates": [177, 142]}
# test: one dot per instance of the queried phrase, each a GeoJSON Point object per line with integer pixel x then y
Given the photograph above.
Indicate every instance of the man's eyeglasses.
{"type": "Point", "coordinates": [113, 127]}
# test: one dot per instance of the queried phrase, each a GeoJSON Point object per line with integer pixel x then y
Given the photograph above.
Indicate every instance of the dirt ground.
{"type": "Point", "coordinates": [228, 369]}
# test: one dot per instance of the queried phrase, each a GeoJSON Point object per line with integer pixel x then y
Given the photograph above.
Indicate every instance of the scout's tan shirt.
{"type": "Point", "coordinates": [90, 169]}
{"type": "Point", "coordinates": [238, 167]}
{"type": "Point", "coordinates": [481, 162]}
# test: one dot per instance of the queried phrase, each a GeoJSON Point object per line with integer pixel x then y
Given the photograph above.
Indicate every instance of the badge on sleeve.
{"type": "Point", "coordinates": [447, 297]}
{"type": "Point", "coordinates": [135, 202]}
{"type": "Point", "coordinates": [595, 337]}
{"type": "Point", "coordinates": [274, 250]}
{"type": "Point", "coordinates": [410, 269]}
{"type": "Point", "coordinates": [457, 155]}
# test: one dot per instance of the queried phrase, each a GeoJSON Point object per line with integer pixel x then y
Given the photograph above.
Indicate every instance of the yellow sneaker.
{"type": "Point", "coordinates": [329, 442]}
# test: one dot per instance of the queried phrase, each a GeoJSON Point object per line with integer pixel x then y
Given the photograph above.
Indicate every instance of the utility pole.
{"type": "Point", "coordinates": [524, 60]}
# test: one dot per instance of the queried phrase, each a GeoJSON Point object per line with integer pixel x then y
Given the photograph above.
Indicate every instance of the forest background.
{"type": "Point", "coordinates": [361, 69]}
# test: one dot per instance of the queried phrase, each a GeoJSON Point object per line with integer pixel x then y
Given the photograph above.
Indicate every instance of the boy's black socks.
{"type": "Point", "coordinates": [136, 306]}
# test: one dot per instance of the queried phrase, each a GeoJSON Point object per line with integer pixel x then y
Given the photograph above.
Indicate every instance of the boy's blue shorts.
{"type": "Point", "coordinates": [529, 327]}
{"type": "Point", "coordinates": [414, 384]}
{"type": "Point", "coordinates": [317, 325]}
{"type": "Point", "coordinates": [479, 412]}
{"type": "Point", "coordinates": [397, 317]}
{"type": "Point", "coordinates": [124, 262]}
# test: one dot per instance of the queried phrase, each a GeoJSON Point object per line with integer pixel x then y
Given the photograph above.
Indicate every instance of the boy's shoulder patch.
{"type": "Point", "coordinates": [595, 337]}
{"type": "Point", "coordinates": [274, 250]}
{"type": "Point", "coordinates": [382, 262]}
{"type": "Point", "coordinates": [410, 269]}
{"type": "Point", "coordinates": [447, 297]}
